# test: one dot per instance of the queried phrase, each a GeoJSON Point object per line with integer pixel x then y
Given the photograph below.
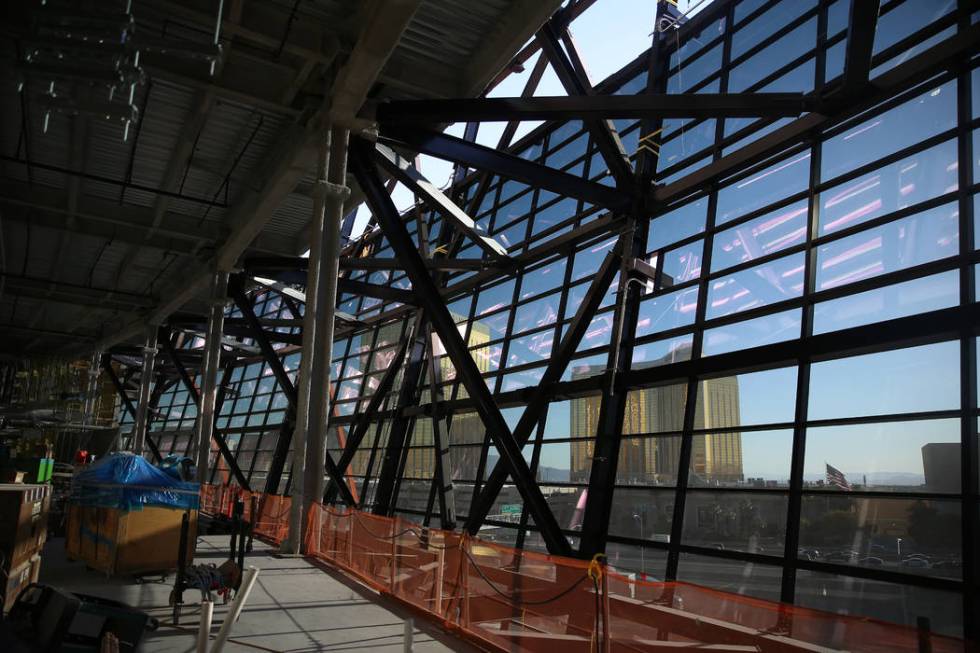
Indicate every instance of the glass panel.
{"type": "Point", "coordinates": [682, 264]}
{"type": "Point", "coordinates": [920, 456]}
{"type": "Point", "coordinates": [769, 233]}
{"type": "Point", "coordinates": [767, 24]}
{"type": "Point", "coordinates": [675, 309]}
{"type": "Point", "coordinates": [648, 461]}
{"type": "Point", "coordinates": [771, 58]}
{"type": "Point", "coordinates": [902, 604]}
{"type": "Point", "coordinates": [654, 410]}
{"type": "Point", "coordinates": [496, 297]}
{"type": "Point", "coordinates": [692, 72]}
{"type": "Point", "coordinates": [752, 333]}
{"type": "Point", "coordinates": [688, 142]}
{"type": "Point", "coordinates": [677, 225]}
{"type": "Point", "coordinates": [755, 459]}
{"type": "Point", "coordinates": [648, 562]}
{"type": "Point", "coordinates": [746, 578]}
{"type": "Point", "coordinates": [898, 300]}
{"type": "Point", "coordinates": [929, 114]}
{"type": "Point", "coordinates": [900, 381]}
{"type": "Point", "coordinates": [653, 509]}
{"type": "Point", "coordinates": [542, 279]}
{"type": "Point", "coordinates": [900, 244]}
{"type": "Point", "coordinates": [917, 536]}
{"type": "Point", "coordinates": [906, 19]}
{"type": "Point", "coordinates": [739, 521]}
{"type": "Point", "coordinates": [762, 285]}
{"type": "Point", "coordinates": [663, 352]}
{"type": "Point", "coordinates": [915, 179]}
{"type": "Point", "coordinates": [754, 398]}
{"type": "Point", "coordinates": [780, 180]}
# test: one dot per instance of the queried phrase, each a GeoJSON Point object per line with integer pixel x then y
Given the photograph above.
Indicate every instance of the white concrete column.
{"type": "Point", "coordinates": [146, 382]}
{"type": "Point", "coordinates": [204, 425]}
{"type": "Point", "coordinates": [337, 193]}
{"type": "Point", "coordinates": [297, 511]}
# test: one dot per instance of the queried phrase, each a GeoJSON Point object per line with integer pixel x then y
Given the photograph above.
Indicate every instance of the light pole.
{"type": "Point", "coordinates": [898, 545]}
{"type": "Point", "coordinates": [643, 566]}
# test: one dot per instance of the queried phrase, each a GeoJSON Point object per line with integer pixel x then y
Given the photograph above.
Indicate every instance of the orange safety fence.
{"type": "Point", "coordinates": [508, 599]}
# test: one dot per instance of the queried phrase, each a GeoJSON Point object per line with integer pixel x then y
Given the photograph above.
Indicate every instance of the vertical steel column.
{"type": "Point", "coordinates": [146, 380]}
{"type": "Point", "coordinates": [204, 425]}
{"type": "Point", "coordinates": [336, 194]}
{"type": "Point", "coordinates": [612, 409]}
{"type": "Point", "coordinates": [92, 389]}
{"type": "Point", "coordinates": [311, 357]}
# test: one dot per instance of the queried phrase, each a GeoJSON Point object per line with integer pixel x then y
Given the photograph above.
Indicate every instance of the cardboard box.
{"type": "Point", "coordinates": [23, 522]}
{"type": "Point", "coordinates": [19, 578]}
{"type": "Point", "coordinates": [131, 542]}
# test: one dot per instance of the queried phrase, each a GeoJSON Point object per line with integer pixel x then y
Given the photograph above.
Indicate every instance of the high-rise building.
{"type": "Point", "coordinates": [715, 457]}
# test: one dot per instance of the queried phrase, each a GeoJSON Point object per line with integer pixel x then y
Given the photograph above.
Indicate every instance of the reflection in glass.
{"type": "Point", "coordinates": [642, 514]}
{"type": "Point", "coordinates": [667, 311]}
{"type": "Point", "coordinates": [900, 244]}
{"type": "Point", "coordinates": [916, 456]}
{"type": "Point", "coordinates": [767, 234]}
{"type": "Point", "coordinates": [912, 180]}
{"type": "Point", "coordinates": [779, 180]}
{"type": "Point", "coordinates": [892, 602]}
{"type": "Point", "coordinates": [741, 521]}
{"type": "Point", "coordinates": [917, 536]}
{"type": "Point", "coordinates": [759, 286]}
{"type": "Point", "coordinates": [931, 113]}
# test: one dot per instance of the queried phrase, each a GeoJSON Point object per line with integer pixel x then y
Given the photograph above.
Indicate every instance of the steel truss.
{"type": "Point", "coordinates": [623, 212]}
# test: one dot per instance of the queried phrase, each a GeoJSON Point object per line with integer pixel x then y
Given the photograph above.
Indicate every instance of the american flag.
{"type": "Point", "coordinates": [836, 478]}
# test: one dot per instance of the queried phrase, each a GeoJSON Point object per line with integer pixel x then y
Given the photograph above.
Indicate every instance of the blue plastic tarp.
{"type": "Point", "coordinates": [128, 482]}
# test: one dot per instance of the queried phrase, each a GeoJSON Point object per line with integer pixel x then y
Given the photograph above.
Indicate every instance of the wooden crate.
{"type": "Point", "coordinates": [19, 578]}
{"type": "Point", "coordinates": [131, 542]}
{"type": "Point", "coordinates": [23, 522]}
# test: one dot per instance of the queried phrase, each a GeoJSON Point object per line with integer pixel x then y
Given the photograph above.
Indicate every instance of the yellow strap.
{"type": "Point", "coordinates": [595, 566]}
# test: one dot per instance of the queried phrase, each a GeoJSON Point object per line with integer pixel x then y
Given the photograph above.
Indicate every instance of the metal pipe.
{"type": "Point", "coordinates": [306, 365]}
{"type": "Point", "coordinates": [337, 193]}
{"type": "Point", "coordinates": [248, 580]}
{"type": "Point", "coordinates": [204, 629]}
{"type": "Point", "coordinates": [204, 426]}
{"type": "Point", "coordinates": [143, 403]}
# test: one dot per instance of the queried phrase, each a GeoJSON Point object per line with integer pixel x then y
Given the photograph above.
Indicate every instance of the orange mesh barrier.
{"type": "Point", "coordinates": [508, 599]}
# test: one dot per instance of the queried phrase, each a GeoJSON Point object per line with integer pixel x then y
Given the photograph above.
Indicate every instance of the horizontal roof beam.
{"type": "Point", "coordinates": [472, 155]}
{"type": "Point", "coordinates": [594, 107]}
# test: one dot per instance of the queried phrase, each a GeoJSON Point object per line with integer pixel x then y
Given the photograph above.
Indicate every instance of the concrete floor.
{"type": "Point", "coordinates": [295, 606]}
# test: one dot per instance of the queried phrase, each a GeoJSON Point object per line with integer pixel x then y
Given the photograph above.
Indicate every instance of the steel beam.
{"type": "Point", "coordinates": [552, 373]}
{"type": "Point", "coordinates": [595, 107]}
{"type": "Point", "coordinates": [142, 420]}
{"type": "Point", "coordinates": [603, 132]}
{"type": "Point", "coordinates": [126, 401]}
{"type": "Point", "coordinates": [860, 41]}
{"type": "Point", "coordinates": [195, 394]}
{"type": "Point", "coordinates": [401, 433]}
{"type": "Point", "coordinates": [436, 311]}
{"type": "Point", "coordinates": [363, 419]}
{"type": "Point", "coordinates": [237, 291]}
{"type": "Point", "coordinates": [405, 172]}
{"type": "Point", "coordinates": [473, 155]}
